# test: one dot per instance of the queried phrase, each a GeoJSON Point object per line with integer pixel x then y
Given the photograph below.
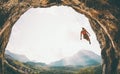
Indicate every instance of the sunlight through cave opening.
{"type": "Point", "coordinates": [50, 34]}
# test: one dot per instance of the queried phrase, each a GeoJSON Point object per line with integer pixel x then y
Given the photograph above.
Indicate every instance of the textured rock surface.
{"type": "Point", "coordinates": [104, 16]}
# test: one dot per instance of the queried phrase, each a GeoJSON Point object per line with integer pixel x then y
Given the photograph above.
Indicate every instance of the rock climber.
{"type": "Point", "coordinates": [85, 35]}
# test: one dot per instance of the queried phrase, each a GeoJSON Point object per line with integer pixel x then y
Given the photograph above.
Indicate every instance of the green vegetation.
{"type": "Point", "coordinates": [9, 70]}
{"type": "Point", "coordinates": [91, 70]}
{"type": "Point", "coordinates": [54, 70]}
{"type": "Point", "coordinates": [13, 66]}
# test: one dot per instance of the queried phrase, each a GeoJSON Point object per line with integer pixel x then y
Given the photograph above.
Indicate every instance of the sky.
{"type": "Point", "coordinates": [50, 34]}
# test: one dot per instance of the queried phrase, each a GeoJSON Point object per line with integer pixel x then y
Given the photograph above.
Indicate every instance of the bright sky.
{"type": "Point", "coordinates": [49, 34]}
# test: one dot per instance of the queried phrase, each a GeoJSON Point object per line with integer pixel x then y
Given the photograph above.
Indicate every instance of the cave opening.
{"type": "Point", "coordinates": [52, 31]}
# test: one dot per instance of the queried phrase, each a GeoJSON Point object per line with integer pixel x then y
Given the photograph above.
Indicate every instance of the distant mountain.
{"type": "Point", "coordinates": [59, 67]}
{"type": "Point", "coordinates": [36, 64]}
{"type": "Point", "coordinates": [82, 58]}
{"type": "Point", "coordinates": [21, 58]}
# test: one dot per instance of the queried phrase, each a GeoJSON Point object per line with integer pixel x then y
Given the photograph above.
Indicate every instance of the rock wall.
{"type": "Point", "coordinates": [103, 15]}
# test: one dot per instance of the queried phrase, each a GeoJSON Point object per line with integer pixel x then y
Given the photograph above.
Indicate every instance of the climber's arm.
{"type": "Point", "coordinates": [88, 33]}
